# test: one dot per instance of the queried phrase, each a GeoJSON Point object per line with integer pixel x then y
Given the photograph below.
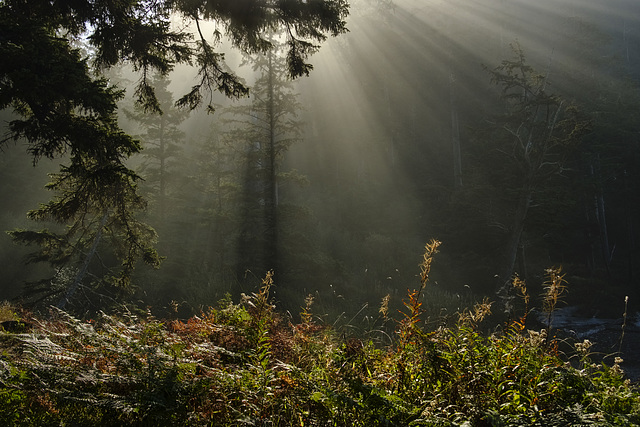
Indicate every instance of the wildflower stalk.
{"type": "Point", "coordinates": [521, 286]}
{"type": "Point", "coordinates": [306, 313]}
{"type": "Point", "coordinates": [414, 305]}
{"type": "Point", "coordinates": [554, 288]}
{"type": "Point", "coordinates": [431, 249]}
{"type": "Point", "coordinates": [408, 326]}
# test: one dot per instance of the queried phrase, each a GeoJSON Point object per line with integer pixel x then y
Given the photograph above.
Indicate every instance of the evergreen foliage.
{"type": "Point", "coordinates": [161, 142]}
{"type": "Point", "coordinates": [264, 130]}
{"type": "Point", "coordinates": [65, 110]}
{"type": "Point", "coordinates": [381, 177]}
{"type": "Point", "coordinates": [95, 192]}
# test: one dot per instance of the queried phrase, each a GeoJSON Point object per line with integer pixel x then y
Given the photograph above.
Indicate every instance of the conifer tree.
{"type": "Point", "coordinates": [161, 142]}
{"type": "Point", "coordinates": [266, 128]}
{"type": "Point", "coordinates": [65, 110]}
{"type": "Point", "coordinates": [536, 132]}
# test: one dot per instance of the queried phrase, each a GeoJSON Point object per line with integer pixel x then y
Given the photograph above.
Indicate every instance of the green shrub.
{"type": "Point", "coordinates": [246, 364]}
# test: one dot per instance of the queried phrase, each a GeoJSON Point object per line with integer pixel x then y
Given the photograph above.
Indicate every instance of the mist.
{"type": "Point", "coordinates": [336, 181]}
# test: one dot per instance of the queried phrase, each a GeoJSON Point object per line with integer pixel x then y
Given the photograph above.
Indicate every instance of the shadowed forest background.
{"type": "Point", "coordinates": [508, 130]}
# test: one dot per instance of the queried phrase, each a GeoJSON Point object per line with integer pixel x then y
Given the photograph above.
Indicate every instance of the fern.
{"type": "Point", "coordinates": [245, 364]}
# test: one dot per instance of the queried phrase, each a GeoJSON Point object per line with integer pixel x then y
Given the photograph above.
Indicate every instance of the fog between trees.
{"type": "Point", "coordinates": [424, 121]}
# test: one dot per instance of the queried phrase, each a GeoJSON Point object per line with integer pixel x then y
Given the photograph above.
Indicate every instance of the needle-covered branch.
{"type": "Point", "coordinates": [63, 108]}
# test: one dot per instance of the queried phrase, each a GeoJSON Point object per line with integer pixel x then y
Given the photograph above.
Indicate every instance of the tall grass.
{"type": "Point", "coordinates": [246, 364]}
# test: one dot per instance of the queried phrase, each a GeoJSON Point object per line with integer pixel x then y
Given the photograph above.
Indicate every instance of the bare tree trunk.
{"type": "Point", "coordinates": [601, 217]}
{"type": "Point", "coordinates": [522, 260]}
{"type": "Point", "coordinates": [604, 237]}
{"type": "Point", "coordinates": [629, 226]}
{"type": "Point", "coordinates": [590, 233]}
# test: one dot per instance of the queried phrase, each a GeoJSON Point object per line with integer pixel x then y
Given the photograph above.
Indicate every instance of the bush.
{"type": "Point", "coordinates": [245, 364]}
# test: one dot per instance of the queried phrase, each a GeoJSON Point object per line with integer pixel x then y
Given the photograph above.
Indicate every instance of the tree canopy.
{"type": "Point", "coordinates": [63, 107]}
{"type": "Point", "coordinates": [160, 34]}
{"type": "Point", "coordinates": [150, 35]}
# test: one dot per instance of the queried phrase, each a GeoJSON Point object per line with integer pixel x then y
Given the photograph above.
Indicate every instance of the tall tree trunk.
{"type": "Point", "coordinates": [522, 260]}
{"type": "Point", "coordinates": [271, 202]}
{"type": "Point", "coordinates": [515, 235]}
{"type": "Point", "coordinates": [219, 227]}
{"type": "Point", "coordinates": [591, 232]}
{"type": "Point", "coordinates": [629, 226]}
{"type": "Point", "coordinates": [605, 249]}
{"type": "Point", "coordinates": [625, 41]}
{"type": "Point", "coordinates": [251, 214]}
{"type": "Point", "coordinates": [163, 185]}
{"type": "Point", "coordinates": [604, 237]}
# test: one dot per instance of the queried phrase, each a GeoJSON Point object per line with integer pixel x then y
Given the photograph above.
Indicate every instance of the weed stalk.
{"type": "Point", "coordinates": [554, 287]}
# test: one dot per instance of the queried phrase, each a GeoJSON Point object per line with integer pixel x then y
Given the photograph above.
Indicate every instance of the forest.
{"type": "Point", "coordinates": [244, 198]}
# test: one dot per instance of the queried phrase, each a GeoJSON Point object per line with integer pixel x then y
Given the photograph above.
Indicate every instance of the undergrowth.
{"type": "Point", "coordinates": [246, 364]}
